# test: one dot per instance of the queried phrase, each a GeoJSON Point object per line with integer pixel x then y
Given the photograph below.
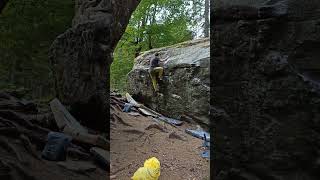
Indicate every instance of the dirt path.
{"type": "Point", "coordinates": [132, 144]}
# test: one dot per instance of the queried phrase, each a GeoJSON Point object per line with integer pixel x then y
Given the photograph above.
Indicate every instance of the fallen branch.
{"type": "Point", "coordinates": [64, 118]}
{"type": "Point", "coordinates": [155, 126]}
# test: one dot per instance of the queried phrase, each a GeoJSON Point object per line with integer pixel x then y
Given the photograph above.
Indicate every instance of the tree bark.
{"type": "Point", "coordinates": [81, 58]}
{"type": "Point", "coordinates": [206, 19]}
{"type": "Point", "coordinates": [3, 4]}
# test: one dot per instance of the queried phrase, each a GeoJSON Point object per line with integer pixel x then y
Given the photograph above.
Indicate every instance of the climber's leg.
{"type": "Point", "coordinates": [153, 75]}
{"type": "Point", "coordinates": [159, 71]}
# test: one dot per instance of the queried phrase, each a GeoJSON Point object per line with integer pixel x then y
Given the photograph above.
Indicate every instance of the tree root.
{"type": "Point", "coordinates": [155, 126]}
{"type": "Point", "coordinates": [174, 135]}
{"type": "Point", "coordinates": [29, 147]}
{"type": "Point", "coordinates": [10, 148]}
{"type": "Point", "coordinates": [22, 171]}
{"type": "Point", "coordinates": [116, 117]}
{"type": "Point", "coordinates": [22, 120]}
{"type": "Point", "coordinates": [147, 138]}
{"type": "Point", "coordinates": [133, 131]}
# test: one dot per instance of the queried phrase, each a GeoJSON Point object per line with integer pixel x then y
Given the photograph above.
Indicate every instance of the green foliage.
{"type": "Point", "coordinates": [154, 24]}
{"type": "Point", "coordinates": [27, 29]}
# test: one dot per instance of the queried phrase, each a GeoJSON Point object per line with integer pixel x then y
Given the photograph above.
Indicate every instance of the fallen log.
{"type": "Point", "coordinates": [150, 112]}
{"type": "Point", "coordinates": [69, 125]}
{"type": "Point", "coordinates": [64, 118]}
{"type": "Point", "coordinates": [141, 107]}
{"type": "Point", "coordinates": [147, 113]}
{"type": "Point", "coordinates": [88, 139]}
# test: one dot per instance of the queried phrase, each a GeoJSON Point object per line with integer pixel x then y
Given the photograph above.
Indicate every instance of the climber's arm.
{"type": "Point", "coordinates": [164, 61]}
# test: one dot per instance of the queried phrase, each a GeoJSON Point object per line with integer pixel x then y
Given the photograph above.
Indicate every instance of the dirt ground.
{"type": "Point", "coordinates": [132, 144]}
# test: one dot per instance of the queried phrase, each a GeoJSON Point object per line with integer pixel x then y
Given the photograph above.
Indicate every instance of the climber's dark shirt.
{"type": "Point", "coordinates": [154, 62]}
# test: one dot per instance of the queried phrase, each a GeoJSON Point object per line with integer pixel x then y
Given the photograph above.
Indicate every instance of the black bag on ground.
{"type": "Point", "coordinates": [56, 147]}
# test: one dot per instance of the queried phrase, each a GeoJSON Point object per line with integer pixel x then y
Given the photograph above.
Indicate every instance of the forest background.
{"type": "Point", "coordinates": [28, 28]}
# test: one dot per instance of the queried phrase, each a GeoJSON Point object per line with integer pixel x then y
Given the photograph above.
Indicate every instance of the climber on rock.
{"type": "Point", "coordinates": [156, 71]}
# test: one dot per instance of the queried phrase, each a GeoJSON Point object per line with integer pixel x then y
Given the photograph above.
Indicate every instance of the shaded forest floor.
{"type": "Point", "coordinates": [23, 135]}
{"type": "Point", "coordinates": [137, 138]}
{"type": "Point", "coordinates": [39, 169]}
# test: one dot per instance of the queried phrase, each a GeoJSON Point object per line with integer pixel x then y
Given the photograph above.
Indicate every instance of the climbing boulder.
{"type": "Point", "coordinates": [185, 88]}
{"type": "Point", "coordinates": [266, 100]}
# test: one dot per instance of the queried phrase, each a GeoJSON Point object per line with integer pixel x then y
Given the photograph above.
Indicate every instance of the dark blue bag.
{"type": "Point", "coordinates": [56, 147]}
{"type": "Point", "coordinates": [127, 107]}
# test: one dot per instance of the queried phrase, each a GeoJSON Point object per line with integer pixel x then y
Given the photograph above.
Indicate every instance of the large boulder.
{"type": "Point", "coordinates": [81, 56]}
{"type": "Point", "coordinates": [186, 89]}
{"type": "Point", "coordinates": [266, 98]}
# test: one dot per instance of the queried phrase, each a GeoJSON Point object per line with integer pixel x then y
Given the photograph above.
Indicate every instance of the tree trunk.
{"type": "Point", "coordinates": [149, 41]}
{"type": "Point", "coordinates": [81, 58]}
{"type": "Point", "coordinates": [206, 19]}
{"type": "Point", "coordinates": [3, 4]}
{"type": "Point", "coordinates": [152, 21]}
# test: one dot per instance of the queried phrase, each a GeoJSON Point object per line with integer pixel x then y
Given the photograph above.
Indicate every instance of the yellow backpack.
{"type": "Point", "coordinates": [150, 170]}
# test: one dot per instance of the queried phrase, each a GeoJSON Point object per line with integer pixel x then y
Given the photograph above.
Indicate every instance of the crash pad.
{"type": "Point", "coordinates": [171, 121]}
{"type": "Point", "coordinates": [198, 134]}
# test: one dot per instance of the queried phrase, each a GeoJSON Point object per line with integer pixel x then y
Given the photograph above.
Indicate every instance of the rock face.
{"type": "Point", "coordinates": [266, 101]}
{"type": "Point", "coordinates": [81, 56]}
{"type": "Point", "coordinates": [187, 86]}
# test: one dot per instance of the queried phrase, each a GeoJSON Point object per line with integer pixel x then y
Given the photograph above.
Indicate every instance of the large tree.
{"type": "Point", "coordinates": [3, 4]}
{"type": "Point", "coordinates": [206, 25]}
{"type": "Point", "coordinates": [27, 29]}
{"type": "Point", "coordinates": [81, 56]}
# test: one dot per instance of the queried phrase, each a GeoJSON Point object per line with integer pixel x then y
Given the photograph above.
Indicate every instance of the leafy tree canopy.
{"type": "Point", "coordinates": [154, 24]}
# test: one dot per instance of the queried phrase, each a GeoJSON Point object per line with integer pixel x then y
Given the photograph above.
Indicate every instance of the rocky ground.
{"type": "Point", "coordinates": [23, 132]}
{"type": "Point", "coordinates": [137, 138]}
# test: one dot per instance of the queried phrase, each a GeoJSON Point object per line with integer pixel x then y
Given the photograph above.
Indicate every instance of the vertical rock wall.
{"type": "Point", "coordinates": [266, 102]}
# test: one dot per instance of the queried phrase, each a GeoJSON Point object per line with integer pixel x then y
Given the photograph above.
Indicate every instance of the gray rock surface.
{"type": "Point", "coordinates": [80, 58]}
{"type": "Point", "coordinates": [266, 101]}
{"type": "Point", "coordinates": [186, 89]}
